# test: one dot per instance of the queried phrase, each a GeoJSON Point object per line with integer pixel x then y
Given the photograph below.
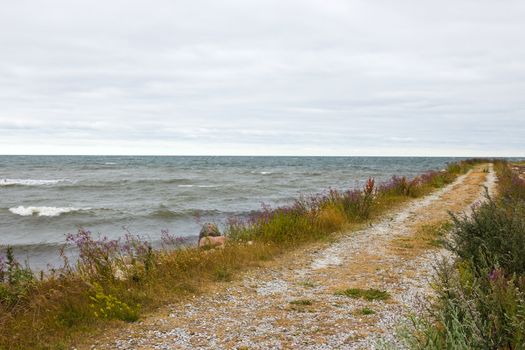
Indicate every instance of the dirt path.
{"type": "Point", "coordinates": [293, 303]}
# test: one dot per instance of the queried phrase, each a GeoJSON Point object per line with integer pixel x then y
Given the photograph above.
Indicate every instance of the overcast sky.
{"type": "Point", "coordinates": [263, 77]}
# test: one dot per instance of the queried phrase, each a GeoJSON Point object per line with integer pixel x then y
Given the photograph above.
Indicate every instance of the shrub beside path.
{"type": "Point", "coordinates": [320, 297]}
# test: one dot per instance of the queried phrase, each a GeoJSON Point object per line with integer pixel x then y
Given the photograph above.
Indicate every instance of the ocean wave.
{"type": "Point", "coordinates": [262, 172]}
{"type": "Point", "coordinates": [173, 181]}
{"type": "Point", "coordinates": [113, 183]}
{"type": "Point", "coordinates": [44, 211]}
{"type": "Point", "coordinates": [165, 213]}
{"type": "Point", "coordinates": [169, 181]}
{"type": "Point", "coordinates": [31, 247]}
{"type": "Point", "coordinates": [31, 182]}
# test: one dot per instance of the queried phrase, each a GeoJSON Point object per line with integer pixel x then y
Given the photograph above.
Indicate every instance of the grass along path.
{"type": "Point", "coordinates": [344, 295]}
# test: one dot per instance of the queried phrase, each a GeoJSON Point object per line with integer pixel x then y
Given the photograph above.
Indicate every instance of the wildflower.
{"type": "Point", "coordinates": [495, 274]}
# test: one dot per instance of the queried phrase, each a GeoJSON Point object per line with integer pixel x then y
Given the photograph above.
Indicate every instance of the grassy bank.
{"type": "Point", "coordinates": [481, 295]}
{"type": "Point", "coordinates": [117, 281]}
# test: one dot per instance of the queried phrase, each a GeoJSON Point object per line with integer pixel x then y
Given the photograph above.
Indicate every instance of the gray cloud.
{"type": "Point", "coordinates": [264, 77]}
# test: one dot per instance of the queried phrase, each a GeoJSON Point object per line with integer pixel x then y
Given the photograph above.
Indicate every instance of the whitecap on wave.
{"type": "Point", "coordinates": [29, 182]}
{"type": "Point", "coordinates": [43, 211]}
{"type": "Point", "coordinates": [262, 172]}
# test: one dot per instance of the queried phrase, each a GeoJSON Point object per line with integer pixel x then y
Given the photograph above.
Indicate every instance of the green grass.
{"type": "Point", "coordinates": [308, 284]}
{"type": "Point", "coordinates": [301, 302]}
{"type": "Point", "coordinates": [367, 294]}
{"type": "Point", "coordinates": [301, 305]}
{"type": "Point", "coordinates": [366, 311]}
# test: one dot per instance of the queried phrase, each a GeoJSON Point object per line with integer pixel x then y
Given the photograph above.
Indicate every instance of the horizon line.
{"type": "Point", "coordinates": [258, 155]}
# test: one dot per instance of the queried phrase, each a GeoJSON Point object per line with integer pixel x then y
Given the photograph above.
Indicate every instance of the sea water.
{"type": "Point", "coordinates": [42, 198]}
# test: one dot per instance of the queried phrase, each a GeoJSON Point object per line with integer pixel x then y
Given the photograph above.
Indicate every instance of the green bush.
{"type": "Point", "coordinates": [494, 234]}
{"type": "Point", "coordinates": [107, 306]}
{"type": "Point", "coordinates": [474, 311]}
{"type": "Point", "coordinates": [481, 297]}
{"type": "Point", "coordinates": [511, 186]}
{"type": "Point", "coordinates": [15, 281]}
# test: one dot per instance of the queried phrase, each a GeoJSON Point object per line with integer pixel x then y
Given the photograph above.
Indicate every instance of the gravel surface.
{"type": "Point", "coordinates": [293, 303]}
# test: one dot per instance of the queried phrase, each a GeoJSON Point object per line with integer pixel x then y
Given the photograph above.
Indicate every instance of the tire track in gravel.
{"type": "Point", "coordinates": [256, 312]}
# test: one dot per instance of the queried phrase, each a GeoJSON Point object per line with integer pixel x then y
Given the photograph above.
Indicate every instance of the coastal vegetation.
{"type": "Point", "coordinates": [116, 281]}
{"type": "Point", "coordinates": [480, 301]}
{"type": "Point", "coordinates": [367, 294]}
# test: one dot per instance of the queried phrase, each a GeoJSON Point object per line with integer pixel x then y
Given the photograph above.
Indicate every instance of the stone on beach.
{"type": "Point", "coordinates": [210, 236]}
{"type": "Point", "coordinates": [208, 230]}
{"type": "Point", "coordinates": [210, 241]}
